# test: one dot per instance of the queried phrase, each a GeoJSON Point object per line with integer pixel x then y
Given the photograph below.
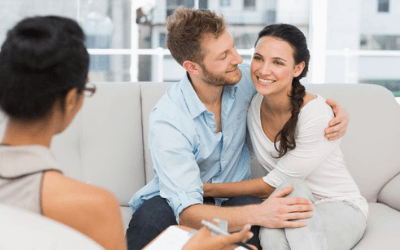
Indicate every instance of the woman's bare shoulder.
{"type": "Point", "coordinates": [58, 188]}
{"type": "Point", "coordinates": [89, 209]}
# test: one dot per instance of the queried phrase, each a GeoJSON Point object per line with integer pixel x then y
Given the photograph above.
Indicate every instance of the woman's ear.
{"type": "Point", "coordinates": [70, 101]}
{"type": "Point", "coordinates": [298, 68]}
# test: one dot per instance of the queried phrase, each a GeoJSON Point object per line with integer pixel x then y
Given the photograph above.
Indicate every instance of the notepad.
{"type": "Point", "coordinates": [173, 238]}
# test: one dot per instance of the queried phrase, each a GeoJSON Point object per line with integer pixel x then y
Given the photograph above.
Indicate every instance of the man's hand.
{"type": "Point", "coordinates": [205, 241]}
{"type": "Point", "coordinates": [279, 211]}
{"type": "Point", "coordinates": [338, 125]}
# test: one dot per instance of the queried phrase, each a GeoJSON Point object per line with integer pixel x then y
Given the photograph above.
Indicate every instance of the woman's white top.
{"type": "Point", "coordinates": [315, 160]}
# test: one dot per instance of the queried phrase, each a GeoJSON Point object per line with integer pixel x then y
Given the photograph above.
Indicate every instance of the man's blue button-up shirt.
{"type": "Point", "coordinates": [185, 150]}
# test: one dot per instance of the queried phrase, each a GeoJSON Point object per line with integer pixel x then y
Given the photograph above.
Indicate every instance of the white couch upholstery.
{"type": "Point", "coordinates": [106, 145]}
{"type": "Point", "coordinates": [21, 229]}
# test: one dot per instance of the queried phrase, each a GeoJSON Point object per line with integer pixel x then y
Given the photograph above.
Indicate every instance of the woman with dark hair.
{"type": "Point", "coordinates": [286, 126]}
{"type": "Point", "coordinates": [43, 83]}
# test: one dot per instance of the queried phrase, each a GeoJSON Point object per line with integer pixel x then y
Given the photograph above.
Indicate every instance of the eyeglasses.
{"type": "Point", "coordinates": [89, 89]}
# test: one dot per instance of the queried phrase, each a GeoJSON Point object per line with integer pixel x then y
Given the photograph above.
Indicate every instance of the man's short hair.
{"type": "Point", "coordinates": [186, 28]}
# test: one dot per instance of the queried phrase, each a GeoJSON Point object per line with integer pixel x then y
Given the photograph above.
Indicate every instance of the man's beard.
{"type": "Point", "coordinates": [216, 80]}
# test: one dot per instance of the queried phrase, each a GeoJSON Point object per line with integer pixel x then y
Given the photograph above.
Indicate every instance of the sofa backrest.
{"type": "Point", "coordinates": [151, 93]}
{"type": "Point", "coordinates": [371, 145]}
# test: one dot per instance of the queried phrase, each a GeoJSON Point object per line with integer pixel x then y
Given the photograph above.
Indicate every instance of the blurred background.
{"type": "Point", "coordinates": [356, 41]}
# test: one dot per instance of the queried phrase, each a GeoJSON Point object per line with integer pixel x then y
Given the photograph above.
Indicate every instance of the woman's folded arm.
{"type": "Point", "coordinates": [255, 187]}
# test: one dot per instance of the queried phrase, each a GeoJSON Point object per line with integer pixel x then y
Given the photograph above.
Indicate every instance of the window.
{"type": "Point", "coordinates": [383, 6]}
{"type": "Point", "coordinates": [392, 85]}
{"type": "Point", "coordinates": [225, 3]}
{"type": "Point", "coordinates": [380, 42]}
{"type": "Point", "coordinates": [203, 4]}
{"type": "Point", "coordinates": [162, 40]}
{"type": "Point", "coordinates": [249, 4]}
{"type": "Point", "coordinates": [271, 16]}
{"type": "Point", "coordinates": [244, 39]}
{"type": "Point", "coordinates": [174, 4]}
{"type": "Point", "coordinates": [109, 24]}
{"type": "Point", "coordinates": [98, 30]}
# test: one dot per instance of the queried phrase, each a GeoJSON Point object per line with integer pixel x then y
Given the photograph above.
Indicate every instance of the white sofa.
{"type": "Point", "coordinates": [21, 229]}
{"type": "Point", "coordinates": [106, 145]}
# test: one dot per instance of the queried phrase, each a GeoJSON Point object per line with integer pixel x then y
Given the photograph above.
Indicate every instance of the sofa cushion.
{"type": "Point", "coordinates": [151, 93]}
{"type": "Point", "coordinates": [389, 195]}
{"type": "Point", "coordinates": [383, 229]}
{"type": "Point", "coordinates": [20, 229]}
{"type": "Point", "coordinates": [126, 213]}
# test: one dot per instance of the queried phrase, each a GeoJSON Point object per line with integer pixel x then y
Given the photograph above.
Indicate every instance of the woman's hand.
{"type": "Point", "coordinates": [205, 241]}
{"type": "Point", "coordinates": [338, 125]}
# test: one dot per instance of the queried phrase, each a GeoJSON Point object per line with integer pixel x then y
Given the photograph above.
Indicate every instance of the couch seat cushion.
{"type": "Point", "coordinates": [383, 229]}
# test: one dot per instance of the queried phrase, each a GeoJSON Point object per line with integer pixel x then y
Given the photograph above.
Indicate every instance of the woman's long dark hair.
{"type": "Point", "coordinates": [297, 41]}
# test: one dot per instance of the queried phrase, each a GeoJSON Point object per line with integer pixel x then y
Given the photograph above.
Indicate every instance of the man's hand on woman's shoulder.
{"type": "Point", "coordinates": [338, 125]}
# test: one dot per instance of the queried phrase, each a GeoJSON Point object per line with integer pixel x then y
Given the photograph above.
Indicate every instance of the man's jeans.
{"type": "Point", "coordinates": [155, 215]}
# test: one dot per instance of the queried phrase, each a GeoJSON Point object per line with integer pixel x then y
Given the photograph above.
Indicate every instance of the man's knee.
{"type": "Point", "coordinates": [148, 221]}
{"type": "Point", "coordinates": [154, 212]}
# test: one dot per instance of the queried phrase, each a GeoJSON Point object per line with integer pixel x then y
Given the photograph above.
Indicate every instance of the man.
{"type": "Point", "coordinates": [197, 134]}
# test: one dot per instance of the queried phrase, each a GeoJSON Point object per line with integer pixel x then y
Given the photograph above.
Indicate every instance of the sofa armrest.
{"type": "Point", "coordinates": [390, 194]}
{"type": "Point", "coordinates": [22, 229]}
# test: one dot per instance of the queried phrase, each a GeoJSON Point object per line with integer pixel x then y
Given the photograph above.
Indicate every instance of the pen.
{"type": "Point", "coordinates": [215, 229]}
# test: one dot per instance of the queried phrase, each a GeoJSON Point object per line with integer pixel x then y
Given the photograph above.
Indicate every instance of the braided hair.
{"type": "Point", "coordinates": [297, 41]}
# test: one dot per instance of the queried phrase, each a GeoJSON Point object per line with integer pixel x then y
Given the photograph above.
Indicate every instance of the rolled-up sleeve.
{"type": "Point", "coordinates": [174, 162]}
{"type": "Point", "coordinates": [312, 148]}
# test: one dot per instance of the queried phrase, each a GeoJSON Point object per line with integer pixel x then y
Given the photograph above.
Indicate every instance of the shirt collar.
{"type": "Point", "coordinates": [231, 90]}
{"type": "Point", "coordinates": [196, 107]}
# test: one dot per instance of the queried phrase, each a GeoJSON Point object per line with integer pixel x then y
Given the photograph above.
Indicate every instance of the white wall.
{"type": "Point", "coordinates": [378, 23]}
{"type": "Point", "coordinates": [234, 13]}
{"type": "Point", "coordinates": [293, 11]}
{"type": "Point", "coordinates": [343, 32]}
{"type": "Point", "coordinates": [379, 68]}
{"type": "Point", "coordinates": [159, 12]}
{"type": "Point", "coordinates": [237, 14]}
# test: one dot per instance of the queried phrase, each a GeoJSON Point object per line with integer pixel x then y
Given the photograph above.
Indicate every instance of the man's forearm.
{"type": "Point", "coordinates": [237, 216]}
{"type": "Point", "coordinates": [255, 187]}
